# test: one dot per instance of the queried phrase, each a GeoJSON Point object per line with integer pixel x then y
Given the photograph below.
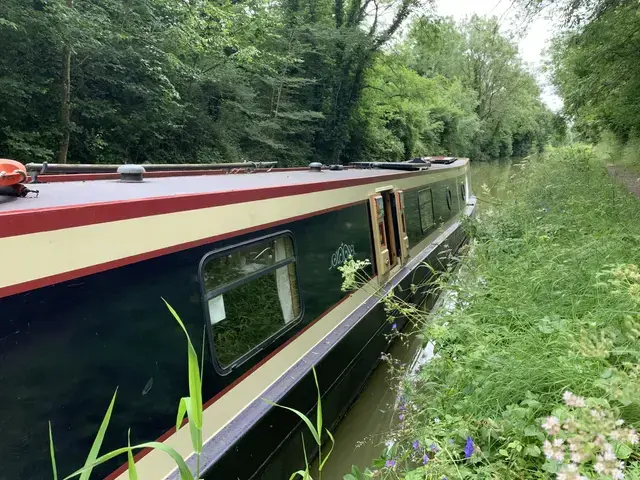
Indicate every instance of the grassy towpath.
{"type": "Point", "coordinates": [536, 373]}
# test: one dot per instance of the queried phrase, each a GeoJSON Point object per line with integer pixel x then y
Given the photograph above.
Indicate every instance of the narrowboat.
{"type": "Point", "coordinates": [248, 255]}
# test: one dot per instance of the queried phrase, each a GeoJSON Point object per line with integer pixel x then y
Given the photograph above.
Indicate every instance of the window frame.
{"type": "Point", "coordinates": [205, 296]}
{"type": "Point", "coordinates": [433, 210]}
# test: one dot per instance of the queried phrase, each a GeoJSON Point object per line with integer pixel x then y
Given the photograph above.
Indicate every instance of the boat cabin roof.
{"type": "Point", "coordinates": [54, 194]}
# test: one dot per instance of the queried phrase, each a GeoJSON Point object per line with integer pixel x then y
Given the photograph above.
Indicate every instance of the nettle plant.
{"type": "Point", "coordinates": [586, 440]}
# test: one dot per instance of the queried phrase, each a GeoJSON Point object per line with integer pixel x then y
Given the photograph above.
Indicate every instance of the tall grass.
{"type": "Point", "coordinates": [550, 303]}
{"type": "Point", "coordinates": [613, 151]}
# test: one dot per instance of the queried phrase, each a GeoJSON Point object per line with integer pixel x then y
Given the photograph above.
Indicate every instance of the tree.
{"type": "Point", "coordinates": [596, 70]}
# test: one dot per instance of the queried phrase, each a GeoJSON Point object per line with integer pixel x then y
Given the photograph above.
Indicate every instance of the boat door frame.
{"type": "Point", "coordinates": [388, 230]}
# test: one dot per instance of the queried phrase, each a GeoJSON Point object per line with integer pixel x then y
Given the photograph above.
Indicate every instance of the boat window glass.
{"type": "Point", "coordinates": [463, 191]}
{"type": "Point", "coordinates": [251, 294]}
{"type": "Point", "coordinates": [425, 205]}
{"type": "Point", "coordinates": [449, 198]}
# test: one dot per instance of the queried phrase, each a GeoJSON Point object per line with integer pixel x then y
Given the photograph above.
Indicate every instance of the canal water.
{"type": "Point", "coordinates": [360, 437]}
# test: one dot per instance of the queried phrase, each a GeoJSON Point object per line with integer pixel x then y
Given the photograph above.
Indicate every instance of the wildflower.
{"type": "Point", "coordinates": [390, 463]}
{"type": "Point", "coordinates": [553, 451]}
{"type": "Point", "coordinates": [401, 417]}
{"type": "Point", "coordinates": [572, 400]}
{"type": "Point", "coordinates": [425, 459]}
{"type": "Point", "coordinates": [578, 457]}
{"type": "Point", "coordinates": [468, 448]}
{"type": "Point", "coordinates": [350, 271]}
{"type": "Point", "coordinates": [552, 425]}
{"type": "Point", "coordinates": [436, 420]}
{"type": "Point", "coordinates": [570, 472]}
{"type": "Point", "coordinates": [394, 326]}
{"type": "Point", "coordinates": [600, 467]}
{"type": "Point", "coordinates": [416, 444]}
{"type": "Point", "coordinates": [609, 455]}
{"type": "Point", "coordinates": [434, 448]}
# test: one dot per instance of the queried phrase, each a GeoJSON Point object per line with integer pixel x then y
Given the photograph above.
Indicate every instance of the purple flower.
{"type": "Point", "coordinates": [468, 448]}
{"type": "Point", "coordinates": [416, 444]}
{"type": "Point", "coordinates": [434, 448]}
{"type": "Point", "coordinates": [390, 463]}
{"type": "Point", "coordinates": [403, 408]}
{"type": "Point", "coordinates": [425, 459]}
{"type": "Point", "coordinates": [394, 326]}
{"type": "Point", "coordinates": [401, 417]}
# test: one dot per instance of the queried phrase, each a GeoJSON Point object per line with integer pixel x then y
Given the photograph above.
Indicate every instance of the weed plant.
{"type": "Point", "coordinates": [535, 373]}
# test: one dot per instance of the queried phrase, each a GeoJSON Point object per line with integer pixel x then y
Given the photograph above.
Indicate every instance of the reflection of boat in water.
{"type": "Point", "coordinates": [247, 258]}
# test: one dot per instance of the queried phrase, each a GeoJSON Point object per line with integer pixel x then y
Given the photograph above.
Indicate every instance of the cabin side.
{"type": "Point", "coordinates": [66, 345]}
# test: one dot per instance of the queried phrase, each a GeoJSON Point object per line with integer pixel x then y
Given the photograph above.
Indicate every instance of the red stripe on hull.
{"type": "Point", "coordinates": [63, 277]}
{"type": "Point", "coordinates": [23, 222]}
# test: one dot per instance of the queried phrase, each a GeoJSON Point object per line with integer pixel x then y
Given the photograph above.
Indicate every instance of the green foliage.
{"type": "Point", "coordinates": [451, 89]}
{"type": "Point", "coordinates": [546, 304]}
{"type": "Point", "coordinates": [164, 81]}
{"type": "Point", "coordinates": [596, 71]}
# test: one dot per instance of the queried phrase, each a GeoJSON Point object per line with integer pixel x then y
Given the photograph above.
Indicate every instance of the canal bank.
{"type": "Point", "coordinates": [535, 369]}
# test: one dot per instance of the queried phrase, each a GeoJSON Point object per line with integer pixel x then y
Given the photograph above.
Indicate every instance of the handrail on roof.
{"type": "Point", "coordinates": [42, 168]}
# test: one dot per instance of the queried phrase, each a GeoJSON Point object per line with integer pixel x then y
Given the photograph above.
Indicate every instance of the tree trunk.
{"type": "Point", "coordinates": [65, 109]}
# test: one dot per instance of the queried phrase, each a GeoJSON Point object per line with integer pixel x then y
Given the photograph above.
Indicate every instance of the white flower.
{"type": "Point", "coordinates": [578, 457]}
{"type": "Point", "coordinates": [599, 467]}
{"type": "Point", "coordinates": [632, 436]}
{"type": "Point", "coordinates": [552, 425]}
{"type": "Point", "coordinates": [558, 442]}
{"type": "Point", "coordinates": [599, 441]}
{"type": "Point", "coordinates": [570, 472]}
{"type": "Point", "coordinates": [617, 474]}
{"type": "Point", "coordinates": [616, 435]}
{"type": "Point", "coordinates": [609, 455]}
{"type": "Point", "coordinates": [572, 400]}
{"type": "Point", "coordinates": [548, 450]}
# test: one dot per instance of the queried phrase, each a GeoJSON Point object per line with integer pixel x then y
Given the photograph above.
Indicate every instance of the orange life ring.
{"type": "Point", "coordinates": [11, 172]}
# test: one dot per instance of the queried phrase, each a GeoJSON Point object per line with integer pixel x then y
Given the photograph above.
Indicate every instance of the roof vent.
{"type": "Point", "coordinates": [315, 166]}
{"type": "Point", "coordinates": [336, 167]}
{"type": "Point", "coordinates": [131, 173]}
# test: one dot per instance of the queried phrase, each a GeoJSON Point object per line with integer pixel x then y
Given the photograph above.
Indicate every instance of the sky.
{"type": "Point", "coordinates": [532, 42]}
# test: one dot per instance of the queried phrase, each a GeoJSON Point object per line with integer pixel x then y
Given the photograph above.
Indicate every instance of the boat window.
{"type": "Point", "coordinates": [425, 205]}
{"type": "Point", "coordinates": [251, 295]}
{"type": "Point", "coordinates": [449, 198]}
{"type": "Point", "coordinates": [463, 191]}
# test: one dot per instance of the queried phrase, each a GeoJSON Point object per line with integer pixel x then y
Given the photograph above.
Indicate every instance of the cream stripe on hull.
{"type": "Point", "coordinates": [158, 466]}
{"type": "Point", "coordinates": [61, 251]}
